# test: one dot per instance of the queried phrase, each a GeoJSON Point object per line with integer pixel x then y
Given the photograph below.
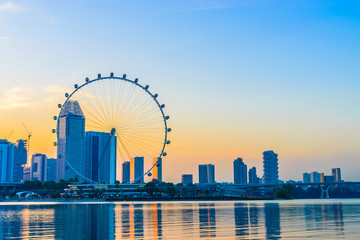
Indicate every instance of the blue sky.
{"type": "Point", "coordinates": [239, 77]}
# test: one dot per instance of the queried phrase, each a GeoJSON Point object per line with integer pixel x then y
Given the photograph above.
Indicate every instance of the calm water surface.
{"type": "Point", "coordinates": [316, 219]}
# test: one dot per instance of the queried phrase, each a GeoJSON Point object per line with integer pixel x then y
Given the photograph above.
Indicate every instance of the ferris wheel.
{"type": "Point", "coordinates": [126, 113]}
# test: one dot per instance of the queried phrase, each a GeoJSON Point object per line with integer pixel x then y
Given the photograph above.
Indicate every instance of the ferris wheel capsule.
{"type": "Point", "coordinates": [59, 105]}
{"type": "Point", "coordinates": [53, 131]}
{"type": "Point", "coordinates": [164, 154]}
{"type": "Point", "coordinates": [66, 95]}
{"type": "Point", "coordinates": [163, 105]}
{"type": "Point", "coordinates": [86, 79]}
{"type": "Point", "coordinates": [55, 143]}
{"type": "Point", "coordinates": [156, 95]}
{"type": "Point", "coordinates": [99, 75]}
{"type": "Point", "coordinates": [136, 80]}
{"type": "Point", "coordinates": [167, 117]}
{"type": "Point", "coordinates": [76, 86]}
{"type": "Point", "coordinates": [55, 117]}
{"type": "Point", "coordinates": [169, 130]}
{"type": "Point", "coordinates": [124, 75]}
{"type": "Point", "coordinates": [112, 74]}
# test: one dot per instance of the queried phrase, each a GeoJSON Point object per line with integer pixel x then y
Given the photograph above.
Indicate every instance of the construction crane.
{"type": "Point", "coordinates": [27, 141]}
{"type": "Point", "coordinates": [8, 137]}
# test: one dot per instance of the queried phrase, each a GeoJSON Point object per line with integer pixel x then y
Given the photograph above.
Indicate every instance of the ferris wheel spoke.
{"type": "Point", "coordinates": [134, 147]}
{"type": "Point", "coordinates": [134, 106]}
{"type": "Point", "coordinates": [142, 115]}
{"type": "Point", "coordinates": [138, 109]}
{"type": "Point", "coordinates": [149, 123]}
{"type": "Point", "coordinates": [128, 96]}
{"type": "Point", "coordinates": [93, 91]}
{"type": "Point", "coordinates": [104, 96]}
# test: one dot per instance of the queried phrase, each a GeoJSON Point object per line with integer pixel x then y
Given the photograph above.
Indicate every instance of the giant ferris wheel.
{"type": "Point", "coordinates": [129, 112]}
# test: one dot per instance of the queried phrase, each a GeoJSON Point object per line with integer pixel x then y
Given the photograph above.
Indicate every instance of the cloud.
{"type": "Point", "coordinates": [15, 97]}
{"type": "Point", "coordinates": [9, 6]}
{"type": "Point", "coordinates": [5, 38]}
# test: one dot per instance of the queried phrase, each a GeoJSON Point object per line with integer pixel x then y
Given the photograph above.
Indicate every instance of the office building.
{"type": "Point", "coordinates": [71, 142]}
{"type": "Point", "coordinates": [6, 161]}
{"type": "Point", "coordinates": [187, 179]}
{"type": "Point", "coordinates": [322, 177]}
{"type": "Point", "coordinates": [97, 156]}
{"type": "Point", "coordinates": [315, 177]}
{"type": "Point", "coordinates": [157, 170]}
{"type": "Point", "coordinates": [271, 169]}
{"type": "Point", "coordinates": [137, 169]}
{"type": "Point", "coordinates": [38, 167]}
{"type": "Point", "coordinates": [126, 172]}
{"type": "Point", "coordinates": [26, 173]}
{"type": "Point", "coordinates": [306, 178]}
{"type": "Point", "coordinates": [240, 171]}
{"type": "Point", "coordinates": [50, 167]}
{"type": "Point", "coordinates": [253, 178]}
{"type": "Point", "coordinates": [206, 173]}
{"type": "Point", "coordinates": [336, 172]}
{"type": "Point", "coordinates": [329, 179]}
{"type": "Point", "coordinates": [20, 160]}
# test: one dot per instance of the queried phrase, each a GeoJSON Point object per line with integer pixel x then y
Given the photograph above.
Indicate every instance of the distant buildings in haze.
{"type": "Point", "coordinates": [157, 169]}
{"type": "Point", "coordinates": [137, 169]}
{"type": "Point", "coordinates": [187, 179]}
{"type": "Point", "coordinates": [240, 171]}
{"type": "Point", "coordinates": [315, 177]}
{"type": "Point", "coordinates": [271, 169]}
{"type": "Point", "coordinates": [206, 173]}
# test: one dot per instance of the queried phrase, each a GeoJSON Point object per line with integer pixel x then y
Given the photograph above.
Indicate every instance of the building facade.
{"type": "Point", "coordinates": [336, 172]}
{"type": "Point", "coordinates": [240, 171]}
{"type": "Point", "coordinates": [71, 142]}
{"type": "Point", "coordinates": [271, 168]}
{"type": "Point", "coordinates": [206, 173]}
{"type": "Point", "coordinates": [306, 178]}
{"type": "Point", "coordinates": [50, 167]}
{"type": "Point", "coordinates": [38, 167]}
{"type": "Point", "coordinates": [187, 179]}
{"type": "Point", "coordinates": [137, 169]}
{"type": "Point", "coordinates": [253, 178]}
{"type": "Point", "coordinates": [315, 177]}
{"type": "Point", "coordinates": [6, 161]}
{"type": "Point", "coordinates": [126, 172]}
{"type": "Point", "coordinates": [157, 170]}
{"type": "Point", "coordinates": [20, 160]}
{"type": "Point", "coordinates": [97, 156]}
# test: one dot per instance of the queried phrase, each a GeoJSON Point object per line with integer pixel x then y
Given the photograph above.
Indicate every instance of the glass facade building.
{"type": "Point", "coordinates": [137, 169]}
{"type": "Point", "coordinates": [157, 170]}
{"type": "Point", "coordinates": [206, 173]}
{"type": "Point", "coordinates": [271, 168]}
{"type": "Point", "coordinates": [71, 142]}
{"type": "Point", "coordinates": [6, 161]}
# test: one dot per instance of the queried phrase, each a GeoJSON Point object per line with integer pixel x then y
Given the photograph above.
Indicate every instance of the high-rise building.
{"type": "Point", "coordinates": [306, 178]}
{"type": "Point", "coordinates": [315, 177]}
{"type": "Point", "coordinates": [336, 172]}
{"type": "Point", "coordinates": [20, 159]}
{"type": "Point", "coordinates": [50, 167]}
{"type": "Point", "coordinates": [240, 171]}
{"type": "Point", "coordinates": [38, 167]}
{"type": "Point", "coordinates": [71, 142]}
{"type": "Point", "coordinates": [206, 173]}
{"type": "Point", "coordinates": [97, 156]}
{"type": "Point", "coordinates": [26, 173]}
{"type": "Point", "coordinates": [126, 172]}
{"type": "Point", "coordinates": [322, 177]}
{"type": "Point", "coordinates": [6, 161]}
{"type": "Point", "coordinates": [271, 169]}
{"type": "Point", "coordinates": [329, 179]}
{"type": "Point", "coordinates": [186, 179]}
{"type": "Point", "coordinates": [157, 170]}
{"type": "Point", "coordinates": [253, 178]}
{"type": "Point", "coordinates": [137, 169]}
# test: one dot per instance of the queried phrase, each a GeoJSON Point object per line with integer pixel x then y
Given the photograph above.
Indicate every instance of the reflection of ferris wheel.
{"type": "Point", "coordinates": [128, 113]}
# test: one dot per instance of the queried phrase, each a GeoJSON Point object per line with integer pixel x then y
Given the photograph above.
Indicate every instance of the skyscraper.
{"type": "Point", "coordinates": [240, 171]}
{"type": "Point", "coordinates": [97, 156]}
{"type": "Point", "coordinates": [71, 142]}
{"type": "Point", "coordinates": [6, 161]}
{"type": "Point", "coordinates": [186, 179]}
{"type": "Point", "coordinates": [126, 172]}
{"type": "Point", "coordinates": [336, 172]}
{"type": "Point", "coordinates": [50, 167]}
{"type": "Point", "coordinates": [38, 169]}
{"type": "Point", "coordinates": [253, 178]}
{"type": "Point", "coordinates": [20, 159]}
{"type": "Point", "coordinates": [137, 169]}
{"type": "Point", "coordinates": [157, 170]}
{"type": "Point", "coordinates": [315, 177]}
{"type": "Point", "coordinates": [271, 169]}
{"type": "Point", "coordinates": [306, 178]}
{"type": "Point", "coordinates": [206, 173]}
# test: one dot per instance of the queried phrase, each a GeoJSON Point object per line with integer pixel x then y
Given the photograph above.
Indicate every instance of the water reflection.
{"type": "Point", "coordinates": [243, 220]}
{"type": "Point", "coordinates": [207, 220]}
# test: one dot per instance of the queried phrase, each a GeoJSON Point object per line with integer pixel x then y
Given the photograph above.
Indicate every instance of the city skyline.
{"type": "Point", "coordinates": [251, 98]}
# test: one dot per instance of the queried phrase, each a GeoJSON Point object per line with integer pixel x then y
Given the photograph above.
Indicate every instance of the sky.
{"type": "Point", "coordinates": [238, 77]}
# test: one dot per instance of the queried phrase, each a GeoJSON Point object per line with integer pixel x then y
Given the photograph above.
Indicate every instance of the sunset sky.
{"type": "Point", "coordinates": [238, 77]}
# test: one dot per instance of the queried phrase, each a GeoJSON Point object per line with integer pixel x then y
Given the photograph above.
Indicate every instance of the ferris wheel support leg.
{"type": "Point", "coordinates": [112, 156]}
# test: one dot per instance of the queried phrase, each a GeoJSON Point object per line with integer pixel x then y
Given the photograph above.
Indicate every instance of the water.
{"type": "Point", "coordinates": [316, 219]}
